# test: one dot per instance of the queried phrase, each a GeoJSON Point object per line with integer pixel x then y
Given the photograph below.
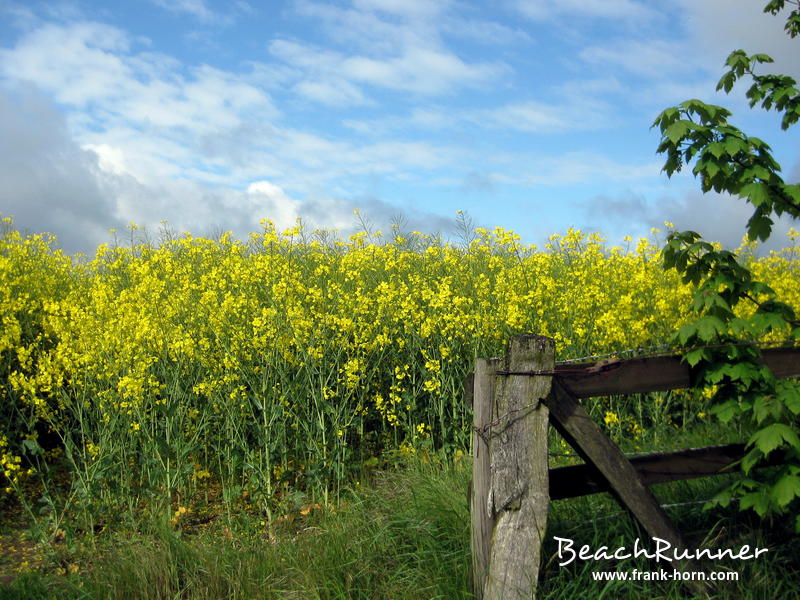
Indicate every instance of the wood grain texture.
{"type": "Point", "coordinates": [518, 495]}
{"type": "Point", "coordinates": [654, 373]}
{"type": "Point", "coordinates": [481, 394]}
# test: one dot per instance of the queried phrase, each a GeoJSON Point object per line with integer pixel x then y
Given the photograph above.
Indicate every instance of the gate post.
{"type": "Point", "coordinates": [512, 500]}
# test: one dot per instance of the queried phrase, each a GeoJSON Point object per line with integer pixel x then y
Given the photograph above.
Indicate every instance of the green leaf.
{"type": "Point", "coordinates": [740, 326]}
{"type": "Point", "coordinates": [766, 322]}
{"type": "Point", "coordinates": [750, 460]}
{"type": "Point", "coordinates": [762, 58]}
{"type": "Point", "coordinates": [744, 372]}
{"type": "Point", "coordinates": [762, 173]}
{"type": "Point", "coordinates": [666, 117]}
{"type": "Point", "coordinates": [676, 132]}
{"type": "Point", "coordinates": [774, 6]}
{"type": "Point", "coordinates": [695, 356]}
{"type": "Point", "coordinates": [716, 149]}
{"type": "Point", "coordinates": [734, 145]}
{"type": "Point", "coordinates": [727, 160]}
{"type": "Point", "coordinates": [757, 500]}
{"type": "Point", "coordinates": [759, 226]}
{"type": "Point", "coordinates": [793, 192]}
{"type": "Point", "coordinates": [767, 406]}
{"type": "Point", "coordinates": [758, 143]}
{"type": "Point", "coordinates": [773, 436]}
{"type": "Point", "coordinates": [725, 411]}
{"type": "Point", "coordinates": [726, 81]}
{"type": "Point", "coordinates": [737, 58]}
{"type": "Point", "coordinates": [686, 333]}
{"type": "Point", "coordinates": [790, 394]}
{"type": "Point", "coordinates": [756, 193]}
{"type": "Point", "coordinates": [708, 327]}
{"type": "Point", "coordinates": [786, 489]}
{"type": "Point", "coordinates": [722, 498]}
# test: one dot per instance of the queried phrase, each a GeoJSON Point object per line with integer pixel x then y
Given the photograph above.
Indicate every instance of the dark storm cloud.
{"type": "Point", "coordinates": [717, 217]}
{"type": "Point", "coordinates": [794, 173]}
{"type": "Point", "coordinates": [48, 182]}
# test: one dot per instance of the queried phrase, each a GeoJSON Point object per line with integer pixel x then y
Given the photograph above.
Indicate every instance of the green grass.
{"type": "Point", "coordinates": [405, 536]}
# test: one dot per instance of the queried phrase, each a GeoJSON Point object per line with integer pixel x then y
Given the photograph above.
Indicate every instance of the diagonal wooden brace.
{"type": "Point", "coordinates": [596, 448]}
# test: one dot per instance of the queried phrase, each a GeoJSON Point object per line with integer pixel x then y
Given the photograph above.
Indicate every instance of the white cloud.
{"type": "Point", "coordinates": [431, 118]}
{"type": "Point", "coordinates": [484, 32]}
{"type": "Point", "coordinates": [333, 93]}
{"type": "Point", "coordinates": [303, 56]}
{"type": "Point", "coordinates": [80, 63]}
{"type": "Point", "coordinates": [410, 9]}
{"type": "Point", "coordinates": [21, 16]}
{"type": "Point", "coordinates": [418, 69]}
{"type": "Point", "coordinates": [689, 62]}
{"type": "Point", "coordinates": [794, 173]}
{"type": "Point", "coordinates": [148, 142]}
{"type": "Point", "coordinates": [199, 10]}
{"type": "Point", "coordinates": [532, 116]}
{"type": "Point", "coordinates": [652, 59]}
{"type": "Point", "coordinates": [426, 119]}
{"type": "Point", "coordinates": [143, 102]}
{"type": "Point", "coordinates": [543, 171]}
{"type": "Point", "coordinates": [541, 10]}
{"type": "Point", "coordinates": [318, 74]}
{"type": "Point", "coordinates": [148, 137]}
{"type": "Point", "coordinates": [109, 158]}
{"type": "Point", "coordinates": [365, 29]}
{"type": "Point", "coordinates": [580, 110]}
{"type": "Point", "coordinates": [405, 56]}
{"type": "Point", "coordinates": [314, 163]}
{"type": "Point", "coordinates": [529, 116]}
{"type": "Point", "coordinates": [195, 8]}
{"type": "Point", "coordinates": [421, 70]}
{"type": "Point", "coordinates": [88, 66]}
{"type": "Point", "coordinates": [571, 168]}
{"type": "Point", "coordinates": [265, 197]}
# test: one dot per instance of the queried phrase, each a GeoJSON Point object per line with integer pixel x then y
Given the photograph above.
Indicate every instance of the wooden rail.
{"type": "Point", "coordinates": [658, 467]}
{"type": "Point", "coordinates": [654, 374]}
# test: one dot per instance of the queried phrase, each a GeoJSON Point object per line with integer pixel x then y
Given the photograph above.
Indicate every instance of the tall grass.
{"type": "Point", "coordinates": [405, 537]}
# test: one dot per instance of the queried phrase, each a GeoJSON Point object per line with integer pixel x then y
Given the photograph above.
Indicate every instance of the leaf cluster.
{"type": "Point", "coordinates": [792, 26]}
{"type": "Point", "coordinates": [777, 92]}
{"type": "Point", "coordinates": [745, 388]}
{"type": "Point", "coordinates": [728, 161]}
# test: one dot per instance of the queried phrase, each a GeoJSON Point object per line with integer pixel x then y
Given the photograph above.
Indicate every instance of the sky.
{"type": "Point", "coordinates": [531, 115]}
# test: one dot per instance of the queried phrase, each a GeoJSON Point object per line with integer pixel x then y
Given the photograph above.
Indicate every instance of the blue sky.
{"type": "Point", "coordinates": [531, 115]}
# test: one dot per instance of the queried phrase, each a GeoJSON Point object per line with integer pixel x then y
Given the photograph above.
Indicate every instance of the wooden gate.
{"type": "Point", "coordinates": [514, 400]}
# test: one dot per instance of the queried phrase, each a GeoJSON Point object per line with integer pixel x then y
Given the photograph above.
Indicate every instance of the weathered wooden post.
{"type": "Point", "coordinates": [510, 497]}
{"type": "Point", "coordinates": [482, 520]}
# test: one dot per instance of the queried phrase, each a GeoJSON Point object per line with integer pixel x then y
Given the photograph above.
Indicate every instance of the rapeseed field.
{"type": "Point", "coordinates": [288, 362]}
